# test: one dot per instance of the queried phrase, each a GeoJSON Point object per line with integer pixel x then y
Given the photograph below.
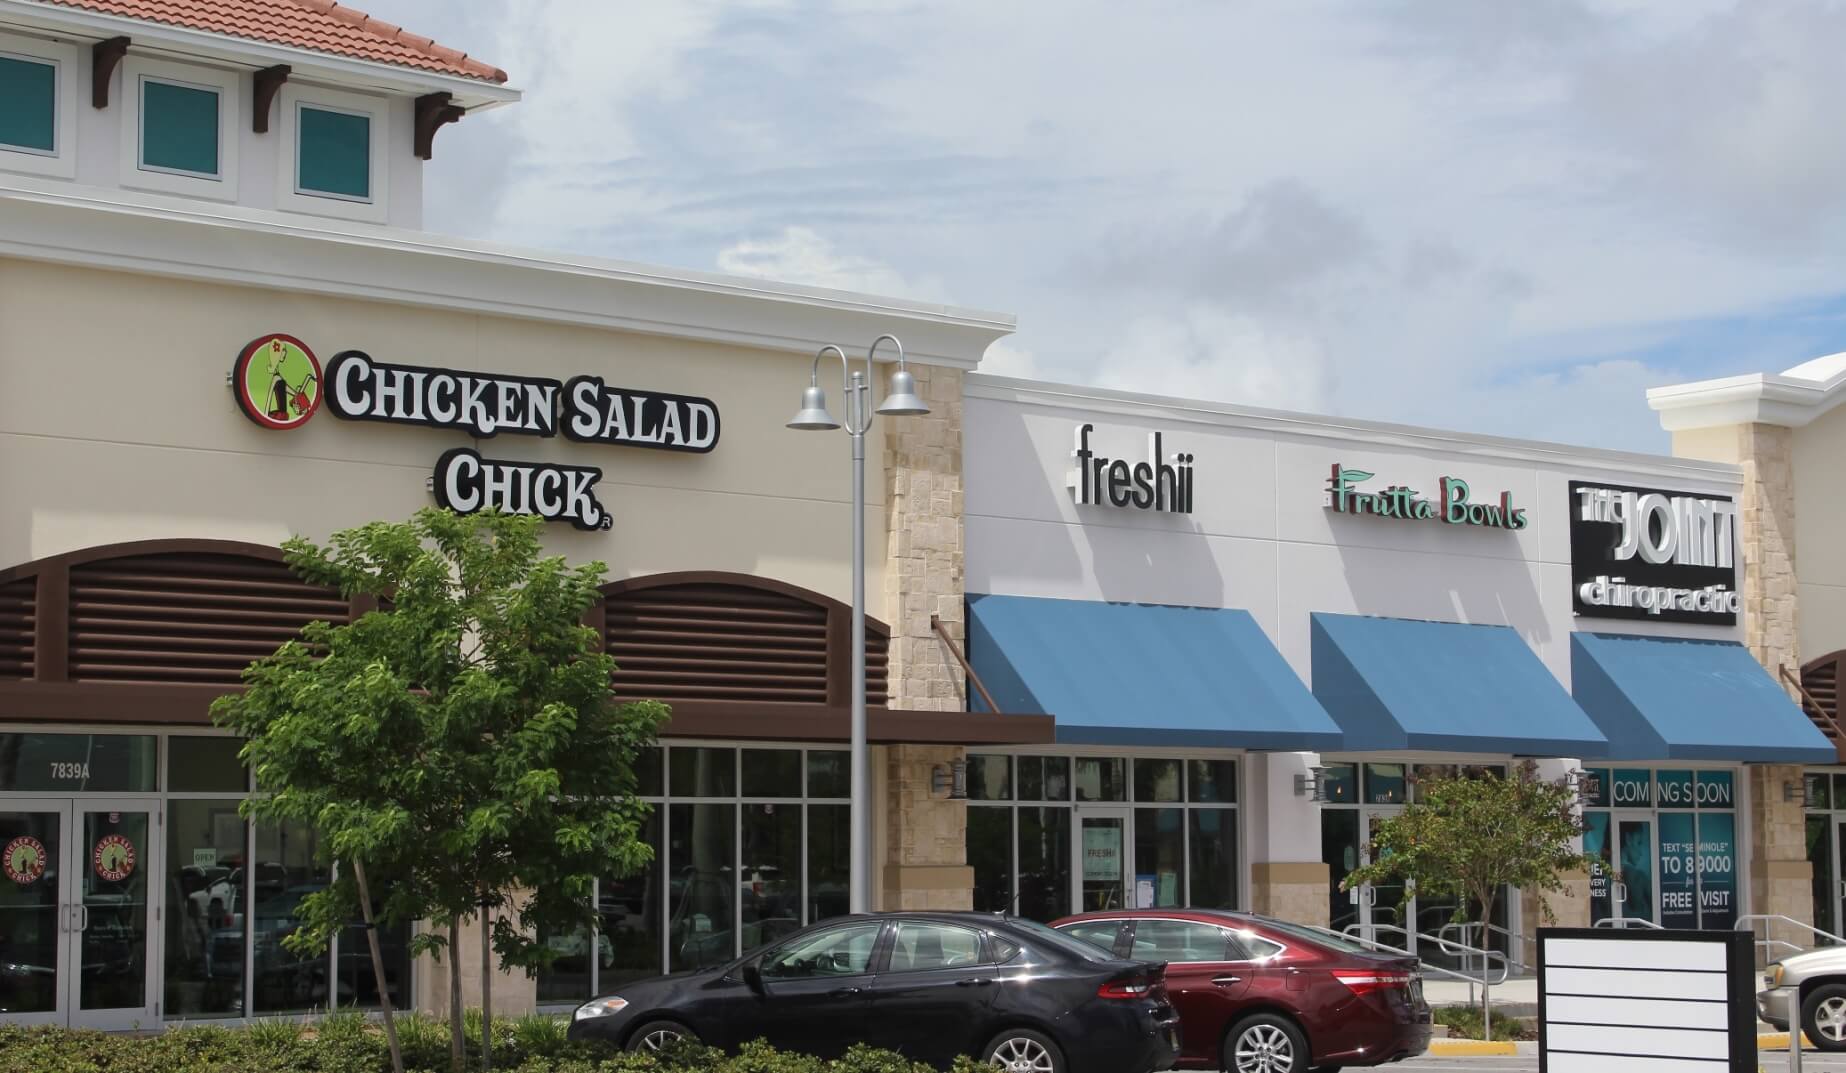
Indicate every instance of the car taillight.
{"type": "Point", "coordinates": [1361, 982]}
{"type": "Point", "coordinates": [1126, 987]}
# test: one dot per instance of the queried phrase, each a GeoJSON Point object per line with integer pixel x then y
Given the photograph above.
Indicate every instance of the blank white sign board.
{"type": "Point", "coordinates": [1645, 1001]}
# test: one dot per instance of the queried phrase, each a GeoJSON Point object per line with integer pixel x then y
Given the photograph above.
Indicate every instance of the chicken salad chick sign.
{"type": "Point", "coordinates": [280, 384]}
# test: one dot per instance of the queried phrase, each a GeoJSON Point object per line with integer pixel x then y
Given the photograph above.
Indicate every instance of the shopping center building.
{"type": "Point", "coordinates": [1786, 433]}
{"type": "Point", "coordinates": [1211, 645]}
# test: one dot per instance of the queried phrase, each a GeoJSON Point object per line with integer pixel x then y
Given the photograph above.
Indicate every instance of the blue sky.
{"type": "Point", "coordinates": [1496, 217]}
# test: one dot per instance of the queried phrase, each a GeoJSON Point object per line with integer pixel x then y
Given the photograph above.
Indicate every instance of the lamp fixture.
{"type": "Point", "coordinates": [950, 780]}
{"type": "Point", "coordinates": [1793, 792]}
{"type": "Point", "coordinates": [1312, 785]}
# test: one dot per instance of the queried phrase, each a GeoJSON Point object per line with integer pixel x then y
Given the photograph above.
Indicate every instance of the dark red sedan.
{"type": "Point", "coordinates": [1257, 995]}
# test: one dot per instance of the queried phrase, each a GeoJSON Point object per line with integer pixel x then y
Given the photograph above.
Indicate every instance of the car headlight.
{"type": "Point", "coordinates": [601, 1007]}
{"type": "Point", "coordinates": [1776, 972]}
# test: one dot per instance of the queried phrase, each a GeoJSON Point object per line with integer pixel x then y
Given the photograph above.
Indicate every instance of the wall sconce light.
{"type": "Point", "coordinates": [1793, 791]}
{"type": "Point", "coordinates": [1312, 785]}
{"type": "Point", "coordinates": [1588, 786]}
{"type": "Point", "coordinates": [951, 780]}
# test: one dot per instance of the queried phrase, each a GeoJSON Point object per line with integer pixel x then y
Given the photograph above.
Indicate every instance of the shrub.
{"type": "Point", "coordinates": [1465, 1023]}
{"type": "Point", "coordinates": [353, 1044]}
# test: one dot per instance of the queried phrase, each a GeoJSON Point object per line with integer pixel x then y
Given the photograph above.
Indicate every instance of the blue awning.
{"type": "Point", "coordinates": [1142, 674]}
{"type": "Point", "coordinates": [1675, 698]}
{"type": "Point", "coordinates": [1396, 683]}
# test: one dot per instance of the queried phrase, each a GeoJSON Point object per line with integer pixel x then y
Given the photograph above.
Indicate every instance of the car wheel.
{"type": "Point", "coordinates": [1021, 1050]}
{"type": "Point", "coordinates": [657, 1036]}
{"type": "Point", "coordinates": [1265, 1043]}
{"type": "Point", "coordinates": [1823, 1017]}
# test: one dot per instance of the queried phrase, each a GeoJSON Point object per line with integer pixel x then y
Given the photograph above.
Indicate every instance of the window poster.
{"type": "Point", "coordinates": [1717, 863]}
{"type": "Point", "coordinates": [1678, 870]}
{"type": "Point", "coordinates": [1596, 847]}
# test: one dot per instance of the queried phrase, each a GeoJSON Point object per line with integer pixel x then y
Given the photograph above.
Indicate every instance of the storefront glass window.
{"type": "Point", "coordinates": [199, 765]}
{"type": "Point", "coordinates": [205, 877]}
{"type": "Point", "coordinates": [1716, 789]}
{"type": "Point", "coordinates": [990, 778]}
{"type": "Point", "coordinates": [1597, 791]}
{"type": "Point", "coordinates": [703, 884]}
{"type": "Point", "coordinates": [1044, 863]}
{"type": "Point", "coordinates": [1157, 780]}
{"type": "Point", "coordinates": [1213, 841]}
{"type": "Point", "coordinates": [829, 773]}
{"type": "Point", "coordinates": [1213, 781]}
{"type": "Point", "coordinates": [1673, 789]}
{"type": "Point", "coordinates": [567, 978]}
{"type": "Point", "coordinates": [1339, 847]}
{"type": "Point", "coordinates": [32, 914]}
{"type": "Point", "coordinates": [649, 778]}
{"type": "Point", "coordinates": [358, 984]}
{"type": "Point", "coordinates": [1044, 778]}
{"type": "Point", "coordinates": [1666, 843]}
{"type": "Point", "coordinates": [829, 860]}
{"type": "Point", "coordinates": [1678, 861]}
{"type": "Point", "coordinates": [1839, 790]}
{"type": "Point", "coordinates": [1819, 790]}
{"type": "Point", "coordinates": [1820, 856]}
{"type": "Point", "coordinates": [1341, 782]}
{"type": "Point", "coordinates": [990, 854]}
{"type": "Point", "coordinates": [1384, 784]}
{"type": "Point", "coordinates": [78, 763]}
{"type": "Point", "coordinates": [1717, 864]}
{"type": "Point", "coordinates": [1101, 778]}
{"type": "Point", "coordinates": [628, 911]}
{"type": "Point", "coordinates": [771, 887]}
{"type": "Point", "coordinates": [772, 773]}
{"type": "Point", "coordinates": [702, 772]}
{"type": "Point", "coordinates": [1630, 788]}
{"type": "Point", "coordinates": [1160, 856]}
{"type": "Point", "coordinates": [285, 874]}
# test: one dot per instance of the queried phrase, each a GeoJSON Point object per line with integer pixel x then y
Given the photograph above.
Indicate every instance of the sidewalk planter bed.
{"type": "Point", "coordinates": [357, 1047]}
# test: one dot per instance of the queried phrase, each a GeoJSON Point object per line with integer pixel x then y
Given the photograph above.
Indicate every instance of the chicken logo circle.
{"type": "Point", "coordinates": [113, 859]}
{"type": "Point", "coordinates": [24, 860]}
{"type": "Point", "coordinates": [277, 381]}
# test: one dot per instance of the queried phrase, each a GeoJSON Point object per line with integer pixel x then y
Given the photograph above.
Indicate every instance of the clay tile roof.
{"type": "Point", "coordinates": [318, 25]}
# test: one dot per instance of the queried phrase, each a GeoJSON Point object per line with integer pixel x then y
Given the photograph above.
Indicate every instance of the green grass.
{"type": "Point", "coordinates": [1464, 1022]}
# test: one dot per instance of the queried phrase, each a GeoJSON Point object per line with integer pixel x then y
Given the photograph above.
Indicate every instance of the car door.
{"type": "Point", "coordinates": [814, 997]}
{"type": "Point", "coordinates": [1205, 981]}
{"type": "Point", "coordinates": [933, 991]}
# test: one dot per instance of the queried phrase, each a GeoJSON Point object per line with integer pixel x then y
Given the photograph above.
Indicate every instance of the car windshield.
{"type": "Point", "coordinates": [1321, 938]}
{"type": "Point", "coordinates": [1058, 939]}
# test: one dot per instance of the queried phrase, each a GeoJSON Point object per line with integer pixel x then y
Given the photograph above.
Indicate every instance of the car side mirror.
{"type": "Point", "coordinates": [753, 977]}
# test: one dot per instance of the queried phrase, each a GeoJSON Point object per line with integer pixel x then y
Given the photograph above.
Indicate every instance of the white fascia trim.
{"type": "Point", "coordinates": [1757, 398]}
{"type": "Point", "coordinates": [471, 93]}
{"type": "Point", "coordinates": [45, 220]}
{"type": "Point", "coordinates": [1133, 406]}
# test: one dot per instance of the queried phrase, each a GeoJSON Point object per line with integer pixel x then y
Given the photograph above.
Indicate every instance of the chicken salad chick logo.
{"type": "Point", "coordinates": [113, 859]}
{"type": "Point", "coordinates": [277, 380]}
{"type": "Point", "coordinates": [23, 860]}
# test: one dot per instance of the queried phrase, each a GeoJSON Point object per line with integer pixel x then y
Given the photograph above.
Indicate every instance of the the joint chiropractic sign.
{"type": "Point", "coordinates": [1649, 553]}
{"type": "Point", "coordinates": [1453, 504]}
{"type": "Point", "coordinates": [279, 384]}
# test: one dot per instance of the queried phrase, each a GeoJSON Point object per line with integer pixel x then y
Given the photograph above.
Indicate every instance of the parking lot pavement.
{"type": "Point", "coordinates": [1769, 1061]}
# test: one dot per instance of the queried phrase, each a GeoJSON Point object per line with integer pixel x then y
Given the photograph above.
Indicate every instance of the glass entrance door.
{"type": "Point", "coordinates": [1635, 869]}
{"type": "Point", "coordinates": [1102, 850]}
{"type": "Point", "coordinates": [76, 912]}
{"type": "Point", "coordinates": [35, 912]}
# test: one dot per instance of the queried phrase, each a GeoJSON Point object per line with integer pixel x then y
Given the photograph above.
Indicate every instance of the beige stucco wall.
{"type": "Point", "coordinates": [1820, 476]}
{"type": "Point", "coordinates": [116, 424]}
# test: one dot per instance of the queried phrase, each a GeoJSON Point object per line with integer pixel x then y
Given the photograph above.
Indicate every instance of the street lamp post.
{"type": "Point", "coordinates": [813, 415]}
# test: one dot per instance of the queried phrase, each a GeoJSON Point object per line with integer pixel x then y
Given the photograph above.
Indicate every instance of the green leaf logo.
{"type": "Point", "coordinates": [1354, 476]}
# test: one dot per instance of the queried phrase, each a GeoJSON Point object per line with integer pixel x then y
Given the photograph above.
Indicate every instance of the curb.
{"type": "Point", "coordinates": [1778, 1041]}
{"type": "Point", "coordinates": [1480, 1048]}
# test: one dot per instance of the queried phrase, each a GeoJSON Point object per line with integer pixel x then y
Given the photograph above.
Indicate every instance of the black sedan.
{"type": "Point", "coordinates": [930, 986]}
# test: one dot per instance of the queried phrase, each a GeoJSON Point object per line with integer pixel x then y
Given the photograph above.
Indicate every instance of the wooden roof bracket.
{"type": "Point", "coordinates": [104, 56]}
{"type": "Point", "coordinates": [942, 632]}
{"type": "Point", "coordinates": [433, 111]}
{"type": "Point", "coordinates": [268, 83]}
{"type": "Point", "coordinates": [1808, 701]}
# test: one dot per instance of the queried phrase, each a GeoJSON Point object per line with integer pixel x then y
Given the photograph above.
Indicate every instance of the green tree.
{"type": "Point", "coordinates": [458, 747]}
{"type": "Point", "coordinates": [1469, 837]}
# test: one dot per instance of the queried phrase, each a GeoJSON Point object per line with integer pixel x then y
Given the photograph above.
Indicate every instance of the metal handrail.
{"type": "Point", "coordinates": [1748, 921]}
{"type": "Point", "coordinates": [1766, 944]}
{"type": "Point", "coordinates": [1485, 979]}
{"type": "Point", "coordinates": [1628, 922]}
{"type": "Point", "coordinates": [1465, 925]}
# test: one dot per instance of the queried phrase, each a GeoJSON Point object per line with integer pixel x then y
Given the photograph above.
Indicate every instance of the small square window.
{"type": "Point", "coordinates": [333, 153]}
{"type": "Point", "coordinates": [179, 128]}
{"type": "Point", "coordinates": [28, 105]}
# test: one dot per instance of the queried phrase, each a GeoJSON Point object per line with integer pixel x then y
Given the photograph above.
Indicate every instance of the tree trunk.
{"type": "Point", "coordinates": [458, 1044]}
{"type": "Point", "coordinates": [487, 992]}
{"type": "Point", "coordinates": [1487, 964]}
{"type": "Point", "coordinates": [378, 967]}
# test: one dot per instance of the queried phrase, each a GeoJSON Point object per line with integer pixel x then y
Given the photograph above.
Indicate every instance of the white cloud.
{"type": "Point", "coordinates": [801, 255]}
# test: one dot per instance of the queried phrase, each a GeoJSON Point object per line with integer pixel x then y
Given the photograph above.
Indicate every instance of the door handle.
{"type": "Point", "coordinates": [845, 992]}
{"type": "Point", "coordinates": [973, 983]}
{"type": "Point", "coordinates": [85, 910]}
{"type": "Point", "coordinates": [1226, 981]}
{"type": "Point", "coordinates": [64, 917]}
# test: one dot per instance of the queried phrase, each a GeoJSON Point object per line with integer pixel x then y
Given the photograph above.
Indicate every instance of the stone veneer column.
{"type": "Point", "coordinates": [1295, 891]}
{"type": "Point", "coordinates": [515, 993]}
{"type": "Point", "coordinates": [926, 855]}
{"type": "Point", "coordinates": [1780, 876]}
